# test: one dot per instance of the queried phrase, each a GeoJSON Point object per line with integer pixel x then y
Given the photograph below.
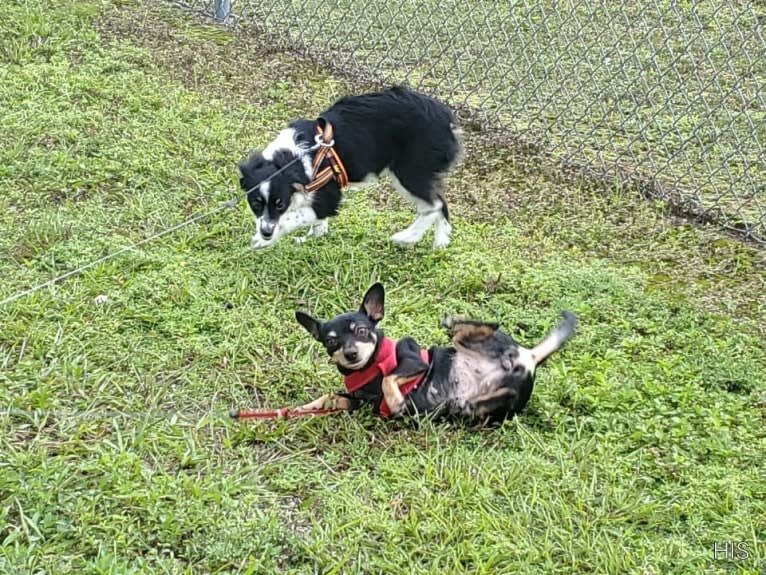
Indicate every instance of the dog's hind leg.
{"type": "Point", "coordinates": [461, 327]}
{"type": "Point", "coordinates": [429, 210]}
{"type": "Point", "coordinates": [443, 227]}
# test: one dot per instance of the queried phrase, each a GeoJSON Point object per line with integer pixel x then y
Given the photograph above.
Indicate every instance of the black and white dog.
{"type": "Point", "coordinates": [407, 135]}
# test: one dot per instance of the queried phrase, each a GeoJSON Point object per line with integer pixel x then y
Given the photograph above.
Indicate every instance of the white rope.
{"type": "Point", "coordinates": [225, 206]}
{"type": "Point", "coordinates": [112, 255]}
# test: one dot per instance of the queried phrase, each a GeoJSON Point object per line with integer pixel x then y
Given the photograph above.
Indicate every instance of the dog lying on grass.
{"type": "Point", "coordinates": [485, 376]}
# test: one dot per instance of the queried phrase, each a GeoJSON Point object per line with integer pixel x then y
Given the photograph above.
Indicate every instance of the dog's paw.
{"type": "Point", "coordinates": [392, 394]}
{"type": "Point", "coordinates": [440, 242]}
{"type": "Point", "coordinates": [442, 234]}
{"type": "Point", "coordinates": [320, 228]}
{"type": "Point", "coordinates": [406, 238]}
{"type": "Point", "coordinates": [316, 231]}
{"type": "Point", "coordinates": [258, 243]}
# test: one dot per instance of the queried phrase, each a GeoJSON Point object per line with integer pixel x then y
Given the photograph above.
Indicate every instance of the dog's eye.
{"type": "Point", "coordinates": [361, 332]}
{"type": "Point", "coordinates": [279, 204]}
{"type": "Point", "coordinates": [331, 342]}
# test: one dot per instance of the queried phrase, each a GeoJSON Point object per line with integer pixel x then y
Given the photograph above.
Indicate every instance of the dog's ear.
{"type": "Point", "coordinates": [373, 302]}
{"type": "Point", "coordinates": [300, 188]}
{"type": "Point", "coordinates": [282, 158]}
{"type": "Point", "coordinates": [312, 326]}
{"type": "Point", "coordinates": [241, 170]}
{"type": "Point", "coordinates": [253, 162]}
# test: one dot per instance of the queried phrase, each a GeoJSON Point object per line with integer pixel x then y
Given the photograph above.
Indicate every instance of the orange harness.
{"type": "Point", "coordinates": [336, 170]}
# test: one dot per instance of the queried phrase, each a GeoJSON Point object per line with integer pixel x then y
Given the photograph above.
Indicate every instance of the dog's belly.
{"type": "Point", "coordinates": [473, 376]}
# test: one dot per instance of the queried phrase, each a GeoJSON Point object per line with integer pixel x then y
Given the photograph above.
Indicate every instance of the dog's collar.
{"type": "Point", "coordinates": [383, 364]}
{"type": "Point", "coordinates": [336, 170]}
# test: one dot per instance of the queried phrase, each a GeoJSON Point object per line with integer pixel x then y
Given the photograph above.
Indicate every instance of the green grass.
{"type": "Point", "coordinates": [643, 443]}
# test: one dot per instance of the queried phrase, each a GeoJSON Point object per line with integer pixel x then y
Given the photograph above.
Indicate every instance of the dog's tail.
{"type": "Point", "coordinates": [556, 339]}
{"type": "Point", "coordinates": [459, 137]}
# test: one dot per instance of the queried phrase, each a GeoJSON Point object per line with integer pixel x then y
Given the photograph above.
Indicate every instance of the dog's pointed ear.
{"type": "Point", "coordinates": [299, 187]}
{"type": "Point", "coordinates": [373, 302]}
{"type": "Point", "coordinates": [253, 162]}
{"type": "Point", "coordinates": [312, 326]}
{"type": "Point", "coordinates": [282, 158]}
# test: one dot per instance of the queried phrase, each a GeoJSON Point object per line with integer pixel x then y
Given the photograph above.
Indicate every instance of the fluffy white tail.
{"type": "Point", "coordinates": [556, 339]}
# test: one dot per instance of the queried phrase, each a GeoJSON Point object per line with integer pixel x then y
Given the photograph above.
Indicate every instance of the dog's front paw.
{"type": "Point", "coordinates": [406, 238]}
{"type": "Point", "coordinates": [317, 230]}
{"type": "Point", "coordinates": [257, 242]}
{"type": "Point", "coordinates": [320, 228]}
{"type": "Point", "coordinates": [392, 394]}
{"type": "Point", "coordinates": [440, 242]}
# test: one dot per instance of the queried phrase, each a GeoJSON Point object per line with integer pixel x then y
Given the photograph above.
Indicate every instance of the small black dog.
{"type": "Point", "coordinates": [485, 376]}
{"type": "Point", "coordinates": [407, 135]}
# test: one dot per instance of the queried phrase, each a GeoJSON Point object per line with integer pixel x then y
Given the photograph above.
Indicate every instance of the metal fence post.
{"type": "Point", "coordinates": [222, 9]}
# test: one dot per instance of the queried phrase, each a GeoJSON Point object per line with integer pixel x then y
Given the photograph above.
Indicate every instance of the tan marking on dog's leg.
{"type": "Point", "coordinates": [339, 402]}
{"type": "Point", "coordinates": [328, 400]}
{"type": "Point", "coordinates": [318, 403]}
{"type": "Point", "coordinates": [393, 394]}
{"type": "Point", "coordinates": [461, 332]}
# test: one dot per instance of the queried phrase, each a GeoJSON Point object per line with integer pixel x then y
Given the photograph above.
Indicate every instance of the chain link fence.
{"type": "Point", "coordinates": [666, 96]}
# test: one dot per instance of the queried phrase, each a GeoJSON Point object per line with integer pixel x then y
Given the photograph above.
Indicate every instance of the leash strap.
{"type": "Point", "coordinates": [282, 413]}
{"type": "Point", "coordinates": [336, 170]}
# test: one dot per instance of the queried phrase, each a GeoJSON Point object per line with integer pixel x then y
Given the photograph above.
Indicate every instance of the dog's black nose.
{"type": "Point", "coordinates": [267, 229]}
{"type": "Point", "coordinates": [351, 354]}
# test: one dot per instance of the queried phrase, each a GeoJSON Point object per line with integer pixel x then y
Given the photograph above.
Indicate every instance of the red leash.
{"type": "Point", "coordinates": [282, 413]}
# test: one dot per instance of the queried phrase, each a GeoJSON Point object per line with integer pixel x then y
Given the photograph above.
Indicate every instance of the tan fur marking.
{"type": "Point", "coordinates": [328, 400]}
{"type": "Point", "coordinates": [393, 394]}
{"type": "Point", "coordinates": [465, 331]}
{"type": "Point", "coordinates": [365, 349]}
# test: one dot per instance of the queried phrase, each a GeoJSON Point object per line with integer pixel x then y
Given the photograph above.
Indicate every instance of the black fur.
{"type": "Point", "coordinates": [408, 133]}
{"type": "Point", "coordinates": [442, 393]}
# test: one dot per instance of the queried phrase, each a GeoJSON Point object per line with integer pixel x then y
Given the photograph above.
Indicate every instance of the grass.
{"type": "Point", "coordinates": [643, 443]}
{"type": "Point", "coordinates": [668, 91]}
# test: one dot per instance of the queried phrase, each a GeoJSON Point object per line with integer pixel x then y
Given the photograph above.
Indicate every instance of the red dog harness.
{"type": "Point", "coordinates": [383, 364]}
